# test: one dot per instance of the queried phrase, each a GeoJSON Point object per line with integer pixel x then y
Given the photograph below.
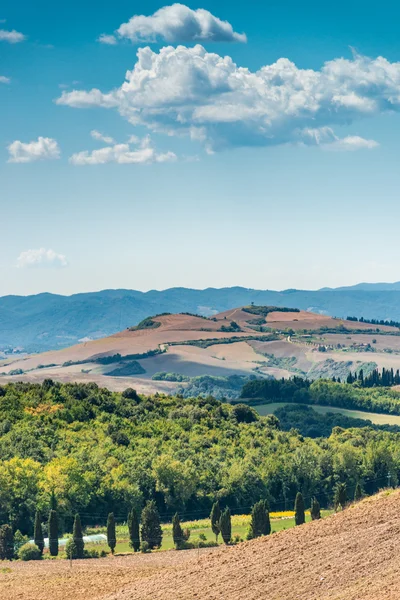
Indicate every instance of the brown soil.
{"type": "Point", "coordinates": [352, 555]}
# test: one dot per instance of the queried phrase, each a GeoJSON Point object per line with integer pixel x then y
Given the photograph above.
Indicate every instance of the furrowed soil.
{"type": "Point", "coordinates": [352, 555]}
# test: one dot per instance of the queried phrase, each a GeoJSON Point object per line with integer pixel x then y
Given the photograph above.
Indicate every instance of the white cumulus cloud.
{"type": "Point", "coordinates": [189, 91]}
{"type": "Point", "coordinates": [42, 148]}
{"type": "Point", "coordinates": [4, 79]}
{"type": "Point", "coordinates": [41, 257]}
{"type": "Point", "coordinates": [123, 154]}
{"type": "Point", "coordinates": [12, 37]}
{"type": "Point", "coordinates": [174, 24]}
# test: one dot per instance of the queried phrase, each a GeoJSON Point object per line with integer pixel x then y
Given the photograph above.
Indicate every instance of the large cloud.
{"type": "Point", "coordinates": [41, 258]}
{"type": "Point", "coordinates": [176, 23]}
{"type": "Point", "coordinates": [12, 37]}
{"type": "Point", "coordinates": [123, 154]}
{"type": "Point", "coordinates": [42, 148]}
{"type": "Point", "coordinates": [193, 92]}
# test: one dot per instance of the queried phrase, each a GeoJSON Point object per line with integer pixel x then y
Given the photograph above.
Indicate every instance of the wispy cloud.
{"type": "Point", "coordinates": [12, 37]}
{"type": "Point", "coordinates": [192, 92]}
{"type": "Point", "coordinates": [109, 40]}
{"type": "Point", "coordinates": [4, 79]}
{"type": "Point", "coordinates": [174, 24]}
{"type": "Point", "coordinates": [40, 149]}
{"type": "Point", "coordinates": [41, 257]}
{"type": "Point", "coordinates": [97, 135]}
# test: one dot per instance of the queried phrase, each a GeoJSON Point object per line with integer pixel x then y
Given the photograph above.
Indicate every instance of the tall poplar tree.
{"type": "Point", "coordinates": [111, 533]}
{"type": "Point", "coordinates": [299, 511]}
{"type": "Point", "coordinates": [38, 532]}
{"type": "Point", "coordinates": [53, 533]}
{"type": "Point", "coordinates": [215, 517]}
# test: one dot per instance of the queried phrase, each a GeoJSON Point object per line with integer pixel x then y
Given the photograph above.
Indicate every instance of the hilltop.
{"type": "Point", "coordinates": [48, 321]}
{"type": "Point", "coordinates": [352, 555]}
{"type": "Point", "coordinates": [170, 352]}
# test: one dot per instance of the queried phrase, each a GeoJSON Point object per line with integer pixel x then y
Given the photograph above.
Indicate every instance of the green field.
{"type": "Point", "coordinates": [240, 524]}
{"type": "Point", "coordinates": [376, 418]}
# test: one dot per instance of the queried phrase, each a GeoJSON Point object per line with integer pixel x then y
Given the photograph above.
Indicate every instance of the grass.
{"type": "Point", "coordinates": [376, 418]}
{"type": "Point", "coordinates": [240, 524]}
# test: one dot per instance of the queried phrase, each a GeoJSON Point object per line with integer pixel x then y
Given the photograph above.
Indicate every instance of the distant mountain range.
{"type": "Point", "coordinates": [46, 321]}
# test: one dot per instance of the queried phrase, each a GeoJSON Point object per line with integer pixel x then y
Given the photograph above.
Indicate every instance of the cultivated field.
{"type": "Point", "coordinates": [181, 346]}
{"type": "Point", "coordinates": [352, 555]}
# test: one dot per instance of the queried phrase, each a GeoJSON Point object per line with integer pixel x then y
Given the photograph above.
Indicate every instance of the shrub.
{"type": "Point", "coordinates": [92, 553]}
{"type": "Point", "coordinates": [29, 552]}
{"type": "Point", "coordinates": [144, 547]}
{"type": "Point", "coordinates": [19, 540]}
{"type": "Point", "coordinates": [358, 492]}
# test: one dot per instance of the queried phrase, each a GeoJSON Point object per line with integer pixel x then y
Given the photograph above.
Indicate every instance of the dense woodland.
{"type": "Point", "coordinates": [323, 392]}
{"type": "Point", "coordinates": [94, 452]}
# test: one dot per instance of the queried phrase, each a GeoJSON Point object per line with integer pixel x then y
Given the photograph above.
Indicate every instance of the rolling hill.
{"type": "Point", "coordinates": [192, 354]}
{"type": "Point", "coordinates": [48, 321]}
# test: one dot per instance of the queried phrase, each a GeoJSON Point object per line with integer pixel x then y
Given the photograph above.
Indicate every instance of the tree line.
{"type": "Point", "coordinates": [145, 534]}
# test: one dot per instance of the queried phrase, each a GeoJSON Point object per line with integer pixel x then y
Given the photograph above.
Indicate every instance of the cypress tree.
{"type": "Point", "coordinates": [151, 526]}
{"type": "Point", "coordinates": [111, 534]}
{"type": "Point", "coordinates": [77, 537]}
{"type": "Point", "coordinates": [6, 543]}
{"type": "Point", "coordinates": [358, 492]}
{"type": "Point", "coordinates": [260, 523]}
{"type": "Point", "coordinates": [215, 517]}
{"type": "Point", "coordinates": [38, 532]}
{"type": "Point", "coordinates": [340, 498]}
{"type": "Point", "coordinates": [177, 532]}
{"type": "Point", "coordinates": [299, 512]}
{"type": "Point", "coordinates": [53, 533]}
{"type": "Point", "coordinates": [225, 525]}
{"type": "Point", "coordinates": [315, 510]}
{"type": "Point", "coordinates": [133, 526]}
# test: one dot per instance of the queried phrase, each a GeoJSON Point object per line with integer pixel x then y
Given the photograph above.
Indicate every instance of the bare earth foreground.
{"type": "Point", "coordinates": [353, 555]}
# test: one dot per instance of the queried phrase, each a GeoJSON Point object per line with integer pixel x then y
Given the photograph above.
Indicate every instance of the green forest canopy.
{"type": "Point", "coordinates": [102, 451]}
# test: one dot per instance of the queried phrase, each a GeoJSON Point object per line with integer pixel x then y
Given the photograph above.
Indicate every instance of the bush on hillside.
{"type": "Point", "coordinates": [29, 552]}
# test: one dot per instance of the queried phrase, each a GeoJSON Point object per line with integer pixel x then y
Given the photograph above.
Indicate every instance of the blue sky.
{"type": "Point", "coordinates": [201, 171]}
